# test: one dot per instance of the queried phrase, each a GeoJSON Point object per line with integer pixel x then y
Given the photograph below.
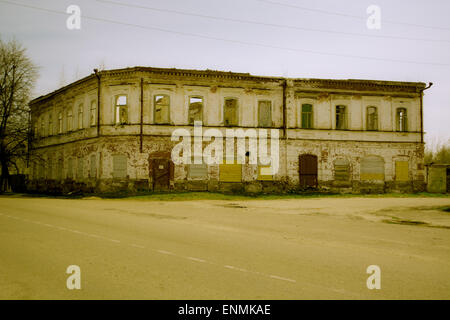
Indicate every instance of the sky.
{"type": "Point", "coordinates": [290, 38]}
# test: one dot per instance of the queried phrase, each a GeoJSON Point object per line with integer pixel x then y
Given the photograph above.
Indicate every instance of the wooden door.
{"type": "Point", "coordinates": [308, 171]}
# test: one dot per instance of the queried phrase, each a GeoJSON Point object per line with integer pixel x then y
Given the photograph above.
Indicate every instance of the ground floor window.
{"type": "Point", "coordinates": [401, 171]}
{"type": "Point", "coordinates": [120, 166]}
{"type": "Point", "coordinates": [372, 168]}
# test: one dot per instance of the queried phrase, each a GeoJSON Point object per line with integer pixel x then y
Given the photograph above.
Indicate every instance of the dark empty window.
{"type": "Point", "coordinates": [162, 109]}
{"type": "Point", "coordinates": [372, 118]}
{"type": "Point", "coordinates": [341, 117]}
{"type": "Point", "coordinates": [195, 109]}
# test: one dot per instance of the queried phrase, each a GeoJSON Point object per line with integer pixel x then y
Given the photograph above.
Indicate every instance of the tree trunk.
{"type": "Point", "coordinates": [4, 177]}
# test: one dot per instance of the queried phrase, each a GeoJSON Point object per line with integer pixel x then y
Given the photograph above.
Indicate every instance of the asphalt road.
{"type": "Point", "coordinates": [268, 249]}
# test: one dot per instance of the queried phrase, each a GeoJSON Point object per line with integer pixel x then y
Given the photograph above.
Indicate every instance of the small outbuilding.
{"type": "Point", "coordinates": [438, 178]}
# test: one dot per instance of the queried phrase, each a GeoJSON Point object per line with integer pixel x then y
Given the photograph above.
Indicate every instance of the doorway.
{"type": "Point", "coordinates": [308, 171]}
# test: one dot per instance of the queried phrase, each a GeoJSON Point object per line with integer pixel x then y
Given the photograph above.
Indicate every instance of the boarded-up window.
{"type": "Point", "coordinates": [121, 110]}
{"type": "Point", "coordinates": [80, 168]}
{"type": "Point", "coordinates": [307, 116]}
{"type": "Point", "coordinates": [80, 116]}
{"type": "Point", "coordinates": [402, 120]}
{"type": "Point", "coordinates": [120, 166]}
{"type": "Point", "coordinates": [401, 171]}
{"type": "Point", "coordinates": [70, 168]}
{"type": "Point", "coordinates": [341, 117]}
{"type": "Point", "coordinates": [162, 109]}
{"type": "Point", "coordinates": [93, 114]}
{"type": "Point", "coordinates": [265, 114]}
{"type": "Point", "coordinates": [372, 118]}
{"type": "Point", "coordinates": [265, 173]}
{"type": "Point", "coordinates": [372, 168]}
{"type": "Point", "coordinates": [341, 170]}
{"type": "Point", "coordinates": [195, 112]}
{"type": "Point", "coordinates": [230, 172]}
{"type": "Point", "coordinates": [197, 171]}
{"type": "Point", "coordinates": [230, 112]}
{"type": "Point", "coordinates": [93, 166]}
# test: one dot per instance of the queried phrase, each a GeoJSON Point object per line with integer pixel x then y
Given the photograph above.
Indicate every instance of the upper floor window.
{"type": "Point", "coordinates": [69, 120]}
{"type": "Point", "coordinates": [341, 117]}
{"type": "Point", "coordinates": [307, 116]}
{"type": "Point", "coordinates": [60, 123]}
{"type": "Point", "coordinates": [162, 109]}
{"type": "Point", "coordinates": [93, 114]}
{"type": "Point", "coordinates": [265, 114]}
{"type": "Point", "coordinates": [401, 119]}
{"type": "Point", "coordinates": [195, 112]}
{"type": "Point", "coordinates": [230, 112]}
{"type": "Point", "coordinates": [35, 130]}
{"type": "Point", "coordinates": [50, 125]}
{"type": "Point", "coordinates": [42, 126]}
{"type": "Point", "coordinates": [80, 116]}
{"type": "Point", "coordinates": [372, 118]}
{"type": "Point", "coordinates": [121, 110]}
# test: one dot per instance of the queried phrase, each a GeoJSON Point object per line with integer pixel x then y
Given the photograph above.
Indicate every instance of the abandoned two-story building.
{"type": "Point", "coordinates": [112, 131]}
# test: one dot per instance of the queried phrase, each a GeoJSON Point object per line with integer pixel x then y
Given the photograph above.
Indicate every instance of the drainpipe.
{"type": "Point", "coordinates": [97, 74]}
{"type": "Point", "coordinates": [142, 113]}
{"type": "Point", "coordinates": [285, 129]}
{"type": "Point", "coordinates": [421, 110]}
{"type": "Point", "coordinates": [284, 108]}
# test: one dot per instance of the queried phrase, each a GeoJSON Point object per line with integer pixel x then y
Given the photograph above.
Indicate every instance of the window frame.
{"type": "Point", "coordinates": [93, 113]}
{"type": "Point", "coordinates": [236, 111]}
{"type": "Point", "coordinates": [69, 119]}
{"type": "Point", "coordinates": [189, 108]}
{"type": "Point", "coordinates": [401, 122]}
{"type": "Point", "coordinates": [311, 116]}
{"type": "Point", "coordinates": [259, 113]}
{"type": "Point", "coordinates": [50, 124]}
{"type": "Point", "coordinates": [80, 116]}
{"type": "Point", "coordinates": [344, 126]}
{"type": "Point", "coordinates": [60, 123]}
{"type": "Point", "coordinates": [119, 107]}
{"type": "Point", "coordinates": [154, 108]}
{"type": "Point", "coordinates": [376, 126]}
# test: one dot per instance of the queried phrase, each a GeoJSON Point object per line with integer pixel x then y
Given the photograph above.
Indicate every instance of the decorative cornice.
{"type": "Point", "coordinates": [297, 83]}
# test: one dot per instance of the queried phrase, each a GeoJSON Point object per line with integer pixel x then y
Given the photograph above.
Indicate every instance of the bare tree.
{"type": "Point", "coordinates": [17, 78]}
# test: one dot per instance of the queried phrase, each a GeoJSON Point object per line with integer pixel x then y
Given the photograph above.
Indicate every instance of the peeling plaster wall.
{"type": "Point", "coordinates": [322, 140]}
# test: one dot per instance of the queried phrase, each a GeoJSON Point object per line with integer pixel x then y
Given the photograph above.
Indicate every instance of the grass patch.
{"type": "Point", "coordinates": [192, 196]}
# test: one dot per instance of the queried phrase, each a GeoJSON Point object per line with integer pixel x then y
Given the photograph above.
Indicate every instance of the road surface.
{"type": "Point", "coordinates": [316, 248]}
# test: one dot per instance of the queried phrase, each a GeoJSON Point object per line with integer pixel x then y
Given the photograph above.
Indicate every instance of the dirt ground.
{"type": "Point", "coordinates": [312, 248]}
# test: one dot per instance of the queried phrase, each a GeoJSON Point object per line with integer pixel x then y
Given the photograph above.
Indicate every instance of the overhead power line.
{"type": "Point", "coordinates": [282, 4]}
{"type": "Point", "coordinates": [274, 25]}
{"type": "Point", "coordinates": [155, 28]}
